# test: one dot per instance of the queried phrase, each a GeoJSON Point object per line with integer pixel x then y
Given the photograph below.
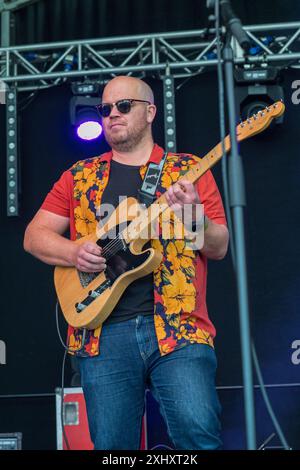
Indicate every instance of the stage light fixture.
{"type": "Point", "coordinates": [88, 124]}
{"type": "Point", "coordinates": [257, 88]}
{"type": "Point", "coordinates": [169, 114]}
{"type": "Point", "coordinates": [12, 153]}
{"type": "Point", "coordinates": [84, 115]}
{"type": "Point", "coordinates": [90, 89]}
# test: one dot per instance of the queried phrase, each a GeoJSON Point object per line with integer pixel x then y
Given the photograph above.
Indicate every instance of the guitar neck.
{"type": "Point", "coordinates": [252, 126]}
{"type": "Point", "coordinates": [207, 162]}
{"type": "Point", "coordinates": [160, 205]}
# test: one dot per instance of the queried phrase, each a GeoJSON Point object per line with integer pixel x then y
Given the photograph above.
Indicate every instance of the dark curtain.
{"type": "Point", "coordinates": [59, 20]}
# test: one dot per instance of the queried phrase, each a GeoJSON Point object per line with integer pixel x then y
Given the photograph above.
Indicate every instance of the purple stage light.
{"type": "Point", "coordinates": [89, 130]}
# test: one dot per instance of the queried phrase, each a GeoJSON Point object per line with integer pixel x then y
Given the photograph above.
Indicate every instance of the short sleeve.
{"type": "Point", "coordinates": [211, 199]}
{"type": "Point", "coordinates": [58, 200]}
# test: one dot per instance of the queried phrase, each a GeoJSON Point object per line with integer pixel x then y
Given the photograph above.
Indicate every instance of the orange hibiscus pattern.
{"type": "Point", "coordinates": [175, 289]}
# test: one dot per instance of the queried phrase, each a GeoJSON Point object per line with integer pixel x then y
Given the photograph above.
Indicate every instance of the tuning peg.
{"type": "Point", "coordinates": [249, 121]}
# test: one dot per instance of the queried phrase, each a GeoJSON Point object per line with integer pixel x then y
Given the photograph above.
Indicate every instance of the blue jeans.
{"type": "Point", "coordinates": [183, 383]}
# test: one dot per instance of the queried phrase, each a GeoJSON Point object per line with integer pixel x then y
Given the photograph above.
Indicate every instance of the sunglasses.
{"type": "Point", "coordinates": [123, 106]}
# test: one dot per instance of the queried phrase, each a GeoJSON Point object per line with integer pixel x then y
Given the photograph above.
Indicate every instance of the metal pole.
{"type": "Point", "coordinates": [5, 28]}
{"type": "Point", "coordinates": [156, 36]}
{"type": "Point", "coordinates": [238, 203]}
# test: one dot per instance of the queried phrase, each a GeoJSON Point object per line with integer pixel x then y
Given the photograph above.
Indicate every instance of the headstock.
{"type": "Point", "coordinates": [260, 121]}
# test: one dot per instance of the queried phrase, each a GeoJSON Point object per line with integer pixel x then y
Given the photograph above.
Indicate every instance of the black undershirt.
{"type": "Point", "coordinates": [125, 180]}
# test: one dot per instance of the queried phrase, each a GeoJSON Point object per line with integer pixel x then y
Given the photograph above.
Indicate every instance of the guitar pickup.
{"type": "Point", "coordinates": [79, 307]}
{"type": "Point", "coordinates": [94, 294]}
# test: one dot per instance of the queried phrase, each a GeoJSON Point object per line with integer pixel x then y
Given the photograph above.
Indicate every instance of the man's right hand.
{"type": "Point", "coordinates": [87, 258]}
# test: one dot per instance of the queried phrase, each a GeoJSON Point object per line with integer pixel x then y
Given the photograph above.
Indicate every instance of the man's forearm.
{"type": "Point", "coordinates": [216, 239]}
{"type": "Point", "coordinates": [49, 247]}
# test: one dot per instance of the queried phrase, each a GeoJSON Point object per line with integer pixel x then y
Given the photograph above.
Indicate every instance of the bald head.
{"type": "Point", "coordinates": [127, 87]}
{"type": "Point", "coordinates": [130, 129]}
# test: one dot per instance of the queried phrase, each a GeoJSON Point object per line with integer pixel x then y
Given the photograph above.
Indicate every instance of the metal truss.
{"type": "Point", "coordinates": [12, 5]}
{"type": "Point", "coordinates": [180, 54]}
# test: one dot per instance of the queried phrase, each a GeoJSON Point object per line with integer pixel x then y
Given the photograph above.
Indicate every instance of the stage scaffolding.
{"type": "Point", "coordinates": [183, 53]}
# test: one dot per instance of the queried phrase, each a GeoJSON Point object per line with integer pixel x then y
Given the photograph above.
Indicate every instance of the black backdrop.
{"type": "Point", "coordinates": [57, 20]}
{"type": "Point", "coordinates": [272, 169]}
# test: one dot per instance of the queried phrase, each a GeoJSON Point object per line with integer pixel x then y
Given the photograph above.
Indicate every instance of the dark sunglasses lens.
{"type": "Point", "coordinates": [104, 109]}
{"type": "Point", "coordinates": [124, 106]}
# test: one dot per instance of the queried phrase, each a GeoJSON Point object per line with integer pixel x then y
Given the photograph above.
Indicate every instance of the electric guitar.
{"type": "Point", "coordinates": [87, 299]}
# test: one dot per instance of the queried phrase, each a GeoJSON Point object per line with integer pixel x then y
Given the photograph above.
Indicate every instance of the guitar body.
{"type": "Point", "coordinates": [87, 299]}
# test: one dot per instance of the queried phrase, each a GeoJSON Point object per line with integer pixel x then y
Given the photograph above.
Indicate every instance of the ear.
{"type": "Point", "coordinates": [151, 112]}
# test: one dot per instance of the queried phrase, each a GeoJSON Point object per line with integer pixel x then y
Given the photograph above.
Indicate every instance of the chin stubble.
{"type": "Point", "coordinates": [127, 144]}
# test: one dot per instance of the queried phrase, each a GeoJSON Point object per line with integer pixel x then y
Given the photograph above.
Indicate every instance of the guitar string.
{"type": "Point", "coordinates": [113, 243]}
{"type": "Point", "coordinates": [113, 247]}
{"type": "Point", "coordinates": [116, 241]}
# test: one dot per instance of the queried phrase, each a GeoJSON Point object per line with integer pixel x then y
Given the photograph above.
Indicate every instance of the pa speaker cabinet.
{"type": "Point", "coordinates": [74, 416]}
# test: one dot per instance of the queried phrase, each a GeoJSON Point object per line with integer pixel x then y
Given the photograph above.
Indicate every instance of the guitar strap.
{"type": "Point", "coordinates": [146, 194]}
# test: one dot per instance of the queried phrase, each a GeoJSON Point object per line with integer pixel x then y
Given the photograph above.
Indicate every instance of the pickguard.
{"type": "Point", "coordinates": [122, 261]}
